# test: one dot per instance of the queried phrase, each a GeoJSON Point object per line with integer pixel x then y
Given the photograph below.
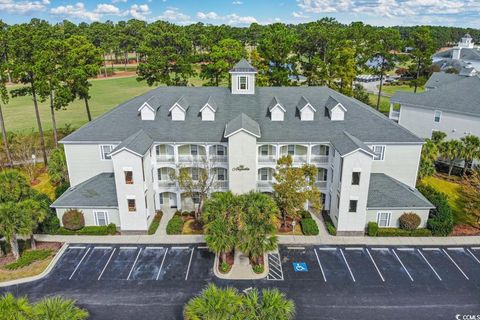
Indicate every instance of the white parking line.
{"type": "Point", "coordinates": [153, 248]}
{"type": "Point", "coordinates": [475, 248]}
{"type": "Point", "coordinates": [102, 248]}
{"type": "Point", "coordinates": [76, 247]}
{"type": "Point", "coordinates": [78, 265]}
{"type": "Point", "coordinates": [134, 263]}
{"type": "Point", "coordinates": [474, 257]}
{"type": "Point", "coordinates": [404, 249]}
{"type": "Point", "coordinates": [429, 265]}
{"type": "Point", "coordinates": [456, 249]}
{"type": "Point", "coordinates": [180, 248]}
{"type": "Point", "coordinates": [320, 265]}
{"type": "Point", "coordinates": [350, 270]}
{"type": "Point", "coordinates": [398, 258]}
{"type": "Point", "coordinates": [161, 265]}
{"type": "Point", "coordinates": [189, 263]}
{"type": "Point", "coordinates": [430, 249]}
{"type": "Point", "coordinates": [105, 267]}
{"type": "Point", "coordinates": [379, 249]}
{"type": "Point", "coordinates": [128, 248]}
{"type": "Point", "coordinates": [376, 267]}
{"type": "Point", "coordinates": [353, 248]}
{"type": "Point", "coordinates": [296, 248]}
{"type": "Point", "coordinates": [327, 249]}
{"type": "Point", "coordinates": [456, 265]}
{"type": "Point", "coordinates": [275, 271]}
{"type": "Point", "coordinates": [202, 247]}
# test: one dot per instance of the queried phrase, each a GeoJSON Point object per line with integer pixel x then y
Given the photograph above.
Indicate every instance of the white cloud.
{"type": "Point", "coordinates": [233, 18]}
{"type": "Point", "coordinates": [139, 12]}
{"type": "Point", "coordinates": [104, 8]}
{"type": "Point", "coordinates": [299, 15]}
{"type": "Point", "coordinates": [174, 15]}
{"type": "Point", "coordinates": [22, 7]}
{"type": "Point", "coordinates": [77, 11]}
{"type": "Point", "coordinates": [119, 1]}
{"type": "Point", "coordinates": [237, 2]}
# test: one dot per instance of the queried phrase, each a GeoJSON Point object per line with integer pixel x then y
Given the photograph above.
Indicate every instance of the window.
{"type": "Point", "coordinates": [194, 150]}
{"type": "Point", "coordinates": [105, 151]}
{"type": "Point", "coordinates": [196, 198]}
{"type": "Point", "coordinates": [220, 150]}
{"type": "Point", "coordinates": [264, 174]}
{"type": "Point", "coordinates": [322, 174]}
{"type": "Point", "coordinates": [128, 177]}
{"type": "Point", "coordinates": [291, 149]}
{"type": "Point", "coordinates": [355, 178]}
{"type": "Point", "coordinates": [243, 83]}
{"type": "Point", "coordinates": [264, 150]}
{"type": "Point", "coordinates": [221, 174]}
{"type": "Point", "coordinates": [324, 150]}
{"type": "Point", "coordinates": [160, 198]}
{"type": "Point", "coordinates": [331, 176]}
{"type": "Point", "coordinates": [323, 196]}
{"type": "Point", "coordinates": [132, 207]}
{"type": "Point", "coordinates": [101, 218]}
{"type": "Point", "coordinates": [338, 201]}
{"type": "Point", "coordinates": [195, 174]}
{"type": "Point", "coordinates": [341, 169]}
{"type": "Point", "coordinates": [379, 152]}
{"type": "Point", "coordinates": [437, 116]}
{"type": "Point", "coordinates": [352, 207]}
{"type": "Point", "coordinates": [383, 219]}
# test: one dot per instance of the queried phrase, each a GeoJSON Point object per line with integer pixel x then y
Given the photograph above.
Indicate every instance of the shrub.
{"type": "Point", "coordinates": [175, 225]}
{"type": "Point", "coordinates": [178, 213]}
{"type": "Point", "coordinates": [258, 268]}
{"type": "Point", "coordinates": [441, 218]}
{"type": "Point", "coordinates": [409, 221]}
{"type": "Point", "coordinates": [73, 220]}
{"type": "Point", "coordinates": [111, 229]}
{"type": "Point", "coordinates": [372, 229]}
{"type": "Point", "coordinates": [305, 214]}
{"type": "Point", "coordinates": [224, 267]}
{"type": "Point", "coordinates": [185, 213]}
{"type": "Point", "coordinates": [397, 232]}
{"type": "Point", "coordinates": [50, 225]}
{"type": "Point", "coordinates": [61, 188]}
{"type": "Point", "coordinates": [329, 224]}
{"type": "Point", "coordinates": [29, 257]}
{"type": "Point", "coordinates": [155, 223]}
{"type": "Point", "coordinates": [309, 227]}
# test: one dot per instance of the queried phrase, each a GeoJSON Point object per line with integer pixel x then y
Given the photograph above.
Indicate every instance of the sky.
{"type": "Point", "coordinates": [461, 13]}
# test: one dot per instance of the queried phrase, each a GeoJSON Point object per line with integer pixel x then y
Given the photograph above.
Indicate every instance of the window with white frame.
{"type": "Point", "coordinates": [383, 219]}
{"type": "Point", "coordinates": [242, 83]}
{"type": "Point", "coordinates": [264, 150]}
{"type": "Point", "coordinates": [322, 174]}
{"type": "Point", "coordinates": [101, 218]}
{"type": "Point", "coordinates": [379, 153]}
{"type": "Point", "coordinates": [196, 198]}
{"type": "Point", "coordinates": [194, 150]}
{"type": "Point", "coordinates": [220, 150]}
{"type": "Point", "coordinates": [437, 116]}
{"type": "Point", "coordinates": [160, 198]}
{"type": "Point", "coordinates": [264, 174]}
{"type": "Point", "coordinates": [291, 149]}
{"type": "Point", "coordinates": [105, 150]}
{"type": "Point", "coordinates": [221, 174]}
{"type": "Point", "coordinates": [352, 206]}
{"type": "Point", "coordinates": [195, 174]}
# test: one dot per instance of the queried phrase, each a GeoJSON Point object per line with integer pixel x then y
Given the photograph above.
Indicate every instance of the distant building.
{"type": "Point", "coordinates": [463, 56]}
{"type": "Point", "coordinates": [451, 104]}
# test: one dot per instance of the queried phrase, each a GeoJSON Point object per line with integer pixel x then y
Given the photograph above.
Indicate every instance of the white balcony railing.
{"type": "Point", "coordinates": [218, 159]}
{"type": "Point", "coordinates": [166, 184]}
{"type": "Point", "coordinates": [321, 184]}
{"type": "Point", "coordinates": [315, 158]}
{"type": "Point", "coordinates": [190, 158]}
{"type": "Point", "coordinates": [165, 158]}
{"type": "Point", "coordinates": [267, 159]}
{"type": "Point", "coordinates": [221, 185]}
{"type": "Point", "coordinates": [265, 185]}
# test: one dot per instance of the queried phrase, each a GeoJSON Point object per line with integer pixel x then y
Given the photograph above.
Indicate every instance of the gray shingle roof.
{"type": "Point", "coordinates": [462, 96]}
{"type": "Point", "coordinates": [273, 103]}
{"type": "Point", "coordinates": [211, 102]}
{"type": "Point", "coordinates": [96, 192]}
{"type": "Point", "coordinates": [182, 102]}
{"type": "Point", "coordinates": [346, 143]}
{"type": "Point", "coordinates": [138, 142]}
{"type": "Point", "coordinates": [331, 103]}
{"type": "Point", "coordinates": [387, 193]}
{"type": "Point", "coordinates": [362, 121]}
{"type": "Point", "coordinates": [243, 66]}
{"type": "Point", "coordinates": [244, 122]}
{"type": "Point", "coordinates": [440, 78]}
{"type": "Point", "coordinates": [469, 54]}
{"type": "Point", "coordinates": [302, 103]}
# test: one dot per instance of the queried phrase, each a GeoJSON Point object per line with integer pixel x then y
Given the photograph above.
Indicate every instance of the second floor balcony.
{"type": "Point", "coordinates": [191, 153]}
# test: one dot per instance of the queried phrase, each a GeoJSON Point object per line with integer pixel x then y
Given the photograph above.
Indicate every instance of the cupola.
{"type": "Point", "coordinates": [243, 78]}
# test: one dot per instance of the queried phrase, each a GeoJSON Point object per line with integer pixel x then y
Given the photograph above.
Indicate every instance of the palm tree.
{"type": "Point", "coordinates": [271, 305]}
{"type": "Point", "coordinates": [254, 242]}
{"type": "Point", "coordinates": [12, 308]}
{"type": "Point", "coordinates": [220, 238]}
{"type": "Point", "coordinates": [33, 209]}
{"type": "Point", "coordinates": [451, 151]}
{"type": "Point", "coordinates": [214, 304]}
{"type": "Point", "coordinates": [14, 221]}
{"type": "Point", "coordinates": [58, 308]}
{"type": "Point", "coordinates": [471, 150]}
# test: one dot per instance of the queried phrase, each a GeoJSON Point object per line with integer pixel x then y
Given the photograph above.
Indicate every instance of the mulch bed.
{"type": "Point", "coordinates": [230, 258]}
{"type": "Point", "coordinates": [55, 246]}
{"type": "Point", "coordinates": [465, 230]}
{"type": "Point", "coordinates": [288, 227]}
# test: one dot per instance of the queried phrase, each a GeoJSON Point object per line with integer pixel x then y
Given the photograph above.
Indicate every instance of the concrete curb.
{"type": "Point", "coordinates": [38, 276]}
{"type": "Point", "coordinates": [232, 276]}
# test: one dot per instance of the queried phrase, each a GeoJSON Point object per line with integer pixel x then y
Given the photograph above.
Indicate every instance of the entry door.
{"type": "Point", "coordinates": [173, 200]}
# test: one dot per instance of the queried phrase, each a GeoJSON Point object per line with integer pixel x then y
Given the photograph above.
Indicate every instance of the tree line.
{"type": "Point", "coordinates": [55, 61]}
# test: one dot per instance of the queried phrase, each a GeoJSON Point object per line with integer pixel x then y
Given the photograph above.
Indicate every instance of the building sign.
{"type": "Point", "coordinates": [241, 168]}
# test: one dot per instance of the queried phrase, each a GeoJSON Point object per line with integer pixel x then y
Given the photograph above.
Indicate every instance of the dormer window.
{"type": "Point", "coordinates": [335, 110]}
{"type": "Point", "coordinates": [243, 83]}
{"type": "Point", "coordinates": [277, 111]}
{"type": "Point", "coordinates": [208, 110]}
{"type": "Point", "coordinates": [179, 110]}
{"type": "Point", "coordinates": [307, 111]}
{"type": "Point", "coordinates": [243, 78]}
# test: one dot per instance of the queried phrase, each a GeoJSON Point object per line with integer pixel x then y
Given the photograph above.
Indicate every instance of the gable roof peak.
{"type": "Point", "coordinates": [274, 103]}
{"type": "Point", "coordinates": [182, 102]}
{"type": "Point", "coordinates": [243, 66]}
{"type": "Point", "coordinates": [303, 102]}
{"type": "Point", "coordinates": [242, 123]}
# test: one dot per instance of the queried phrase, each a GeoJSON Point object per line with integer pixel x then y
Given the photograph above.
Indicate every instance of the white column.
{"type": "Point", "coordinates": [179, 200]}
{"type": "Point", "coordinates": [309, 152]}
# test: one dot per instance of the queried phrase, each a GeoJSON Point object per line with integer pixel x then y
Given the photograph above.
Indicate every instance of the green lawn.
{"type": "Point", "coordinates": [384, 103]}
{"type": "Point", "coordinates": [390, 90]}
{"type": "Point", "coordinates": [106, 94]}
{"type": "Point", "coordinates": [455, 199]}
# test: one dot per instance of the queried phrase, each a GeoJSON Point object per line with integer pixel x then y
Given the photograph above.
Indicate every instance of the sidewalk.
{"type": "Point", "coordinates": [322, 239]}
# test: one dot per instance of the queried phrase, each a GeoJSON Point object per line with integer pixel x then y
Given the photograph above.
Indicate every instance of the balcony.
{"type": "Point", "coordinates": [218, 159]}
{"type": "Point", "coordinates": [187, 158]}
{"type": "Point", "coordinates": [315, 158]}
{"type": "Point", "coordinates": [165, 158]}
{"type": "Point", "coordinates": [166, 184]}
{"type": "Point", "coordinates": [265, 185]}
{"type": "Point", "coordinates": [221, 185]}
{"type": "Point", "coordinates": [321, 184]}
{"type": "Point", "coordinates": [271, 159]}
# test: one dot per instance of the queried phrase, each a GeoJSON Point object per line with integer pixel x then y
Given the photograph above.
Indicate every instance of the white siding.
{"type": "Point", "coordinates": [208, 114]}
{"type": "Point", "coordinates": [400, 162]}
{"type": "Point", "coordinates": [89, 215]}
{"type": "Point", "coordinates": [337, 114]}
{"type": "Point", "coordinates": [420, 122]}
{"type": "Point", "coordinates": [250, 81]}
{"type": "Point", "coordinates": [147, 114]}
{"type": "Point", "coordinates": [277, 114]}
{"type": "Point", "coordinates": [242, 151]}
{"type": "Point", "coordinates": [307, 114]}
{"type": "Point", "coordinates": [178, 114]}
{"type": "Point", "coordinates": [84, 161]}
{"type": "Point", "coordinates": [395, 214]}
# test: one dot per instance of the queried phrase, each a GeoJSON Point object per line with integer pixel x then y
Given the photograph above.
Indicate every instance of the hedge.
{"type": "Point", "coordinates": [309, 227]}
{"type": "Point", "coordinates": [372, 229]}
{"type": "Point", "coordinates": [397, 232]}
{"type": "Point", "coordinates": [175, 225]}
{"type": "Point", "coordinates": [111, 229]}
{"type": "Point", "coordinates": [155, 223]}
{"type": "Point", "coordinates": [304, 214]}
{"type": "Point", "coordinates": [73, 219]}
{"type": "Point", "coordinates": [441, 218]}
{"type": "Point", "coordinates": [29, 257]}
{"type": "Point", "coordinates": [329, 224]}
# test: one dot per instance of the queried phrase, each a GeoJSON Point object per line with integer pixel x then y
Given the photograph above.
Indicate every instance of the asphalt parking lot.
{"type": "Point", "coordinates": [141, 263]}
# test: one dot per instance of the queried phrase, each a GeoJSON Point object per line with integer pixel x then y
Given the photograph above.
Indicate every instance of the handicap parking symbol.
{"type": "Point", "coordinates": [300, 267]}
